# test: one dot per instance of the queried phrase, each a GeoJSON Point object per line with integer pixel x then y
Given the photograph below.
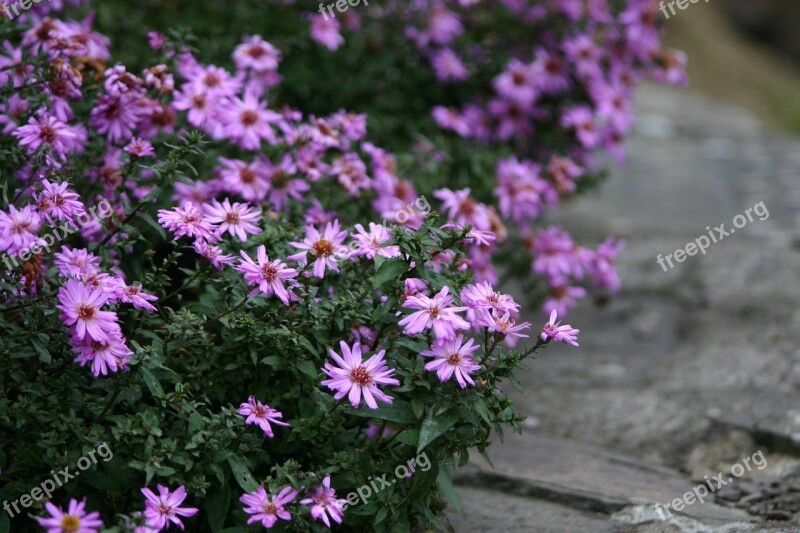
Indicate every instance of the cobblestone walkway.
{"type": "Point", "coordinates": [686, 372]}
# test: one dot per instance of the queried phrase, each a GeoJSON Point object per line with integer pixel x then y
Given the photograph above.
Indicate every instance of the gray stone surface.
{"type": "Point", "coordinates": [689, 370]}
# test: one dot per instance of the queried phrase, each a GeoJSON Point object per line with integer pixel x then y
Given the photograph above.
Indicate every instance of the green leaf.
{"type": "Point", "coordinates": [435, 426]}
{"type": "Point", "coordinates": [217, 504]}
{"type": "Point", "coordinates": [44, 353]}
{"type": "Point", "coordinates": [307, 368]}
{"type": "Point", "coordinates": [418, 406]}
{"type": "Point", "coordinates": [242, 474]}
{"type": "Point", "coordinates": [445, 479]}
{"type": "Point", "coordinates": [389, 270]}
{"type": "Point", "coordinates": [152, 383]}
{"type": "Point", "coordinates": [153, 224]}
{"type": "Point", "coordinates": [5, 523]}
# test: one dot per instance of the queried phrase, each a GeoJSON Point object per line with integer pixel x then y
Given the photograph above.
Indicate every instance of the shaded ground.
{"type": "Point", "coordinates": [686, 372]}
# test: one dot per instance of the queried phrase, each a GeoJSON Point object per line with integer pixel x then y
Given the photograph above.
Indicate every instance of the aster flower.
{"type": "Point", "coordinates": [505, 325]}
{"type": "Point", "coordinates": [247, 122]}
{"type": "Point", "coordinates": [448, 66]}
{"type": "Point", "coordinates": [371, 244]}
{"type": "Point", "coordinates": [554, 331]}
{"type": "Point", "coordinates": [261, 414]}
{"type": "Point", "coordinates": [80, 306]}
{"type": "Point", "coordinates": [132, 294]}
{"type": "Point", "coordinates": [354, 376]}
{"type": "Point", "coordinates": [256, 54]}
{"type": "Point", "coordinates": [116, 116]}
{"type": "Point", "coordinates": [270, 276]}
{"type": "Point", "coordinates": [453, 357]}
{"type": "Point", "coordinates": [78, 262]}
{"type": "Point", "coordinates": [433, 313]}
{"type": "Point", "coordinates": [283, 185]}
{"type": "Point", "coordinates": [18, 228]}
{"type": "Point", "coordinates": [325, 31]}
{"type": "Point", "coordinates": [188, 221]}
{"type": "Point", "coordinates": [59, 203]}
{"type": "Point", "coordinates": [324, 502]}
{"type": "Point", "coordinates": [160, 510]}
{"type": "Point", "coordinates": [140, 148]}
{"type": "Point", "coordinates": [74, 520]}
{"type": "Point", "coordinates": [47, 130]}
{"type": "Point", "coordinates": [325, 247]}
{"type": "Point", "coordinates": [248, 180]}
{"type": "Point", "coordinates": [236, 219]}
{"type": "Point", "coordinates": [107, 356]}
{"type": "Point", "coordinates": [213, 253]}
{"type": "Point", "coordinates": [267, 510]}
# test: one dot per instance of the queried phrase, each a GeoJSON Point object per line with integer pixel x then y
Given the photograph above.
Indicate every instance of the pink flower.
{"type": "Point", "coordinates": [78, 262]}
{"type": "Point", "coordinates": [270, 276]}
{"type": "Point", "coordinates": [247, 122]}
{"type": "Point", "coordinates": [213, 253]}
{"type": "Point", "coordinates": [505, 325]}
{"type": "Point", "coordinates": [109, 355]}
{"type": "Point", "coordinates": [483, 296]}
{"type": "Point", "coordinates": [266, 510]}
{"type": "Point", "coordinates": [325, 31]}
{"type": "Point", "coordinates": [80, 306]}
{"type": "Point", "coordinates": [256, 54]}
{"type": "Point", "coordinates": [248, 180]}
{"type": "Point", "coordinates": [165, 508]}
{"type": "Point", "coordinates": [132, 294]}
{"type": "Point", "coordinates": [325, 503]}
{"type": "Point", "coordinates": [354, 376]}
{"type": "Point", "coordinates": [434, 313]}
{"type": "Point", "coordinates": [236, 219]}
{"type": "Point", "coordinates": [75, 520]}
{"type": "Point", "coordinates": [453, 357]}
{"type": "Point", "coordinates": [188, 221]}
{"type": "Point", "coordinates": [258, 413]}
{"type": "Point", "coordinates": [44, 129]}
{"type": "Point", "coordinates": [57, 202]}
{"type": "Point", "coordinates": [371, 244]}
{"type": "Point", "coordinates": [140, 148]}
{"type": "Point", "coordinates": [325, 247]}
{"type": "Point", "coordinates": [517, 82]}
{"type": "Point", "coordinates": [18, 228]}
{"type": "Point", "coordinates": [552, 330]}
{"type": "Point", "coordinates": [448, 65]}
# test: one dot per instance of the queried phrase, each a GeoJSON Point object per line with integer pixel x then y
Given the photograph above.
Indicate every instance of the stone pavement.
{"type": "Point", "coordinates": [684, 373]}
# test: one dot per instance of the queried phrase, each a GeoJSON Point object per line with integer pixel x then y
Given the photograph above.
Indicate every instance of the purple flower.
{"type": "Point", "coordinates": [58, 203]}
{"type": "Point", "coordinates": [213, 253]}
{"type": "Point", "coordinates": [453, 357]}
{"type": "Point", "coordinates": [80, 306]}
{"type": "Point", "coordinates": [256, 54]}
{"type": "Point", "coordinates": [325, 246]}
{"type": "Point", "coordinates": [165, 508]}
{"type": "Point", "coordinates": [74, 520]}
{"type": "Point", "coordinates": [78, 262]}
{"type": "Point", "coordinates": [325, 31]}
{"type": "Point", "coordinates": [236, 219]}
{"type": "Point", "coordinates": [270, 276]}
{"type": "Point", "coordinates": [247, 122]}
{"type": "Point", "coordinates": [140, 148]}
{"type": "Point", "coordinates": [44, 129]}
{"type": "Point", "coordinates": [325, 503]}
{"type": "Point", "coordinates": [261, 414]}
{"type": "Point", "coordinates": [371, 244]}
{"type": "Point", "coordinates": [187, 220]}
{"type": "Point", "coordinates": [109, 355]}
{"type": "Point", "coordinates": [552, 330]}
{"type": "Point", "coordinates": [434, 313]}
{"type": "Point", "coordinates": [265, 509]}
{"type": "Point", "coordinates": [18, 228]}
{"type": "Point", "coordinates": [354, 376]}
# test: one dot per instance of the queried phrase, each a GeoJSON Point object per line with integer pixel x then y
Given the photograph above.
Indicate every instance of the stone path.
{"type": "Point", "coordinates": [686, 372]}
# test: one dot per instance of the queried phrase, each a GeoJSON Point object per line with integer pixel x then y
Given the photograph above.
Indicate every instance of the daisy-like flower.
{"type": "Point", "coordinates": [433, 313]}
{"type": "Point", "coordinates": [257, 54]}
{"type": "Point", "coordinates": [325, 247]}
{"type": "Point", "coordinates": [18, 228]}
{"type": "Point", "coordinates": [554, 331]}
{"type": "Point", "coordinates": [214, 254]}
{"type": "Point", "coordinates": [140, 148]}
{"type": "Point", "coordinates": [47, 130]}
{"type": "Point", "coordinates": [354, 376]}
{"type": "Point", "coordinates": [247, 122]}
{"type": "Point", "coordinates": [453, 357]}
{"type": "Point", "coordinates": [267, 510]}
{"type": "Point", "coordinates": [324, 502]}
{"type": "Point", "coordinates": [132, 294]}
{"type": "Point", "coordinates": [80, 306]}
{"type": "Point", "coordinates": [371, 244]}
{"type": "Point", "coordinates": [188, 221]}
{"type": "Point", "coordinates": [270, 276]}
{"type": "Point", "coordinates": [107, 356]}
{"type": "Point", "coordinates": [237, 219]}
{"type": "Point", "coordinates": [78, 262]}
{"type": "Point", "coordinates": [74, 520]}
{"type": "Point", "coordinates": [58, 203]}
{"type": "Point", "coordinates": [506, 325]}
{"type": "Point", "coordinates": [160, 510]}
{"type": "Point", "coordinates": [261, 414]}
